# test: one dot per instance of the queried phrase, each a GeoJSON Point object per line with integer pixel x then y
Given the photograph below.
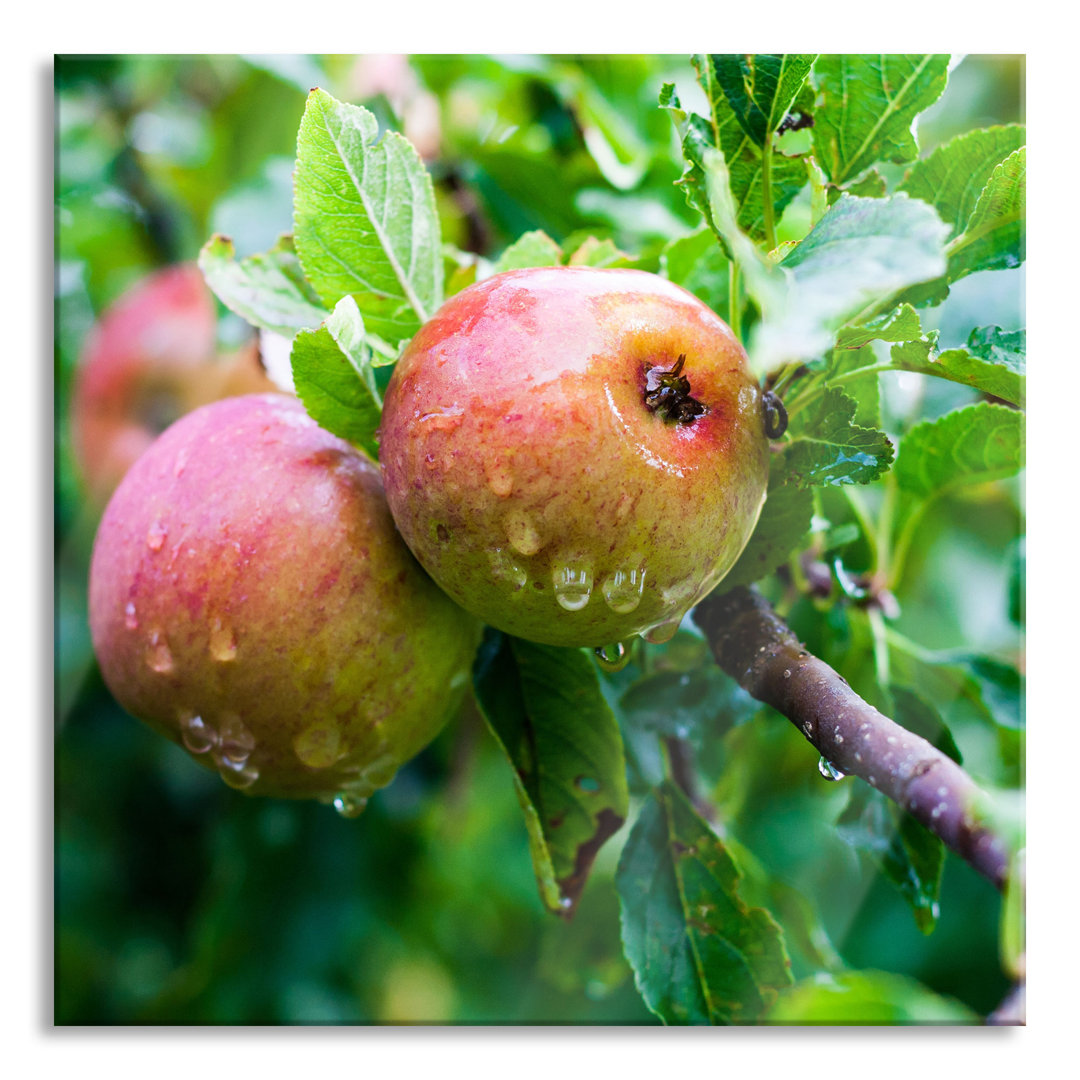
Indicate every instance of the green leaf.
{"type": "Point", "coordinates": [332, 373]}
{"type": "Point", "coordinates": [826, 447]}
{"type": "Point", "coordinates": [602, 253]}
{"type": "Point", "coordinates": [699, 954]}
{"type": "Point", "coordinates": [909, 855]}
{"type": "Point", "coordinates": [867, 106]}
{"type": "Point", "coordinates": [952, 178]}
{"type": "Point", "coordinates": [900, 324]}
{"type": "Point", "coordinates": [697, 262]}
{"type": "Point", "coordinates": [998, 371]}
{"type": "Point", "coordinates": [365, 220]}
{"type": "Point", "coordinates": [866, 997]}
{"type": "Point", "coordinates": [545, 708]}
{"type": "Point", "coordinates": [860, 252]}
{"type": "Point", "coordinates": [268, 290]}
{"type": "Point", "coordinates": [761, 87]}
{"type": "Point", "coordinates": [722, 132]}
{"type": "Point", "coordinates": [974, 445]}
{"type": "Point", "coordinates": [780, 530]}
{"type": "Point", "coordinates": [534, 248]}
{"type": "Point", "coordinates": [994, 238]}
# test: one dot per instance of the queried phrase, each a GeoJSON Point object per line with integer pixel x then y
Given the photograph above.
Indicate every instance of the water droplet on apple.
{"type": "Point", "coordinates": [661, 632]}
{"type": "Point", "coordinates": [499, 477]}
{"type": "Point", "coordinates": [380, 772]}
{"type": "Point", "coordinates": [612, 657]}
{"type": "Point", "coordinates": [445, 418]}
{"type": "Point", "coordinates": [158, 656]}
{"type": "Point", "coordinates": [196, 734]}
{"type": "Point", "coordinates": [181, 462]}
{"type": "Point", "coordinates": [222, 641]}
{"type": "Point", "coordinates": [523, 535]}
{"type": "Point", "coordinates": [503, 568]}
{"type": "Point", "coordinates": [236, 742]}
{"type": "Point", "coordinates": [318, 746]}
{"type": "Point", "coordinates": [828, 770]}
{"type": "Point", "coordinates": [573, 586]}
{"type": "Point", "coordinates": [155, 536]}
{"type": "Point", "coordinates": [622, 590]}
{"type": "Point", "coordinates": [237, 775]}
{"type": "Point", "coordinates": [131, 620]}
{"type": "Point", "coordinates": [349, 806]}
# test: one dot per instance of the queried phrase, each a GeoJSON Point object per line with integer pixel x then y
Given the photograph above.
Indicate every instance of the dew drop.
{"type": "Point", "coordinates": [197, 735]}
{"type": "Point", "coordinates": [661, 632]}
{"type": "Point", "coordinates": [588, 784]}
{"type": "Point", "coordinates": [239, 775]}
{"type": "Point", "coordinates": [318, 746]}
{"type": "Point", "coordinates": [522, 533]}
{"type": "Point", "coordinates": [131, 620]}
{"type": "Point", "coordinates": [236, 742]}
{"type": "Point", "coordinates": [444, 418]}
{"type": "Point", "coordinates": [612, 657]}
{"type": "Point", "coordinates": [622, 590]}
{"type": "Point", "coordinates": [504, 568]}
{"type": "Point", "coordinates": [380, 772]}
{"type": "Point", "coordinates": [499, 477]}
{"type": "Point", "coordinates": [573, 586]}
{"type": "Point", "coordinates": [158, 656]}
{"type": "Point", "coordinates": [155, 536]}
{"type": "Point", "coordinates": [181, 463]}
{"type": "Point", "coordinates": [222, 641]}
{"type": "Point", "coordinates": [828, 770]}
{"type": "Point", "coordinates": [349, 806]}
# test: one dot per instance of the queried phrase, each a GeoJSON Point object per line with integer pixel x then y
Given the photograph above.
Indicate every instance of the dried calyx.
{"type": "Point", "coordinates": [667, 392]}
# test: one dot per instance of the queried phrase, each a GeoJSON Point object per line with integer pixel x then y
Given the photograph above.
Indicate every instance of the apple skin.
{"type": "Point", "coordinates": [529, 477]}
{"type": "Point", "coordinates": [251, 600]}
{"type": "Point", "coordinates": [150, 359]}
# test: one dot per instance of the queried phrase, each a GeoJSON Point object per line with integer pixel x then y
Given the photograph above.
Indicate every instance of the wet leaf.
{"type": "Point", "coordinates": [827, 447]}
{"type": "Point", "coordinates": [365, 220]}
{"type": "Point", "coordinates": [545, 708]}
{"type": "Point", "coordinates": [331, 368]}
{"type": "Point", "coordinates": [268, 290]}
{"type": "Point", "coordinates": [868, 104]}
{"type": "Point", "coordinates": [967, 446]}
{"type": "Point", "coordinates": [699, 954]}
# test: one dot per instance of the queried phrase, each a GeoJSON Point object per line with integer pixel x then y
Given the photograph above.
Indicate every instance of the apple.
{"type": "Point", "coordinates": [575, 455]}
{"type": "Point", "coordinates": [150, 359]}
{"type": "Point", "coordinates": [251, 600]}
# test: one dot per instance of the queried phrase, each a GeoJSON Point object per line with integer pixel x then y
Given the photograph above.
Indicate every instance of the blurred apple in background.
{"type": "Point", "coordinates": [150, 359]}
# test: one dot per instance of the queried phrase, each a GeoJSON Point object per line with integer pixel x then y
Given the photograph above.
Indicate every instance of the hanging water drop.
{"type": "Point", "coordinates": [612, 657]}
{"type": "Point", "coordinates": [237, 775]}
{"type": "Point", "coordinates": [622, 590]}
{"type": "Point", "coordinates": [661, 632]}
{"type": "Point", "coordinates": [237, 742]}
{"type": "Point", "coordinates": [349, 806]}
{"type": "Point", "coordinates": [573, 586]}
{"type": "Point", "coordinates": [828, 770]}
{"type": "Point", "coordinates": [197, 735]}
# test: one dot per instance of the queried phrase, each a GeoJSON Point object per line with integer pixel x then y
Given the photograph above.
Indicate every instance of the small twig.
{"type": "Point", "coordinates": [754, 646]}
{"type": "Point", "coordinates": [681, 764]}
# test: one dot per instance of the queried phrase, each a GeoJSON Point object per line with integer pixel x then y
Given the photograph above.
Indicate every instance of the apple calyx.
{"type": "Point", "coordinates": [667, 392]}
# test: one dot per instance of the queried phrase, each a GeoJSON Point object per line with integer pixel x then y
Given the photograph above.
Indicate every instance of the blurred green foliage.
{"type": "Point", "coordinates": [178, 901]}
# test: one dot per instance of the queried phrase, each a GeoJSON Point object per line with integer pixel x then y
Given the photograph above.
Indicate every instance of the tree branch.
{"type": "Point", "coordinates": [755, 647]}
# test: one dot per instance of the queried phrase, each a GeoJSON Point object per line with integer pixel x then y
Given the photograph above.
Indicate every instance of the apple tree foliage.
{"type": "Point", "coordinates": [798, 202]}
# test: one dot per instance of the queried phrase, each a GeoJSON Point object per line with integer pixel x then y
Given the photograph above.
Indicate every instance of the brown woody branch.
{"type": "Point", "coordinates": [756, 648]}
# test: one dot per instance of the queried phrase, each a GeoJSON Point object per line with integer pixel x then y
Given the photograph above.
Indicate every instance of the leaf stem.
{"type": "Point", "coordinates": [766, 192]}
{"type": "Point", "coordinates": [734, 305]}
